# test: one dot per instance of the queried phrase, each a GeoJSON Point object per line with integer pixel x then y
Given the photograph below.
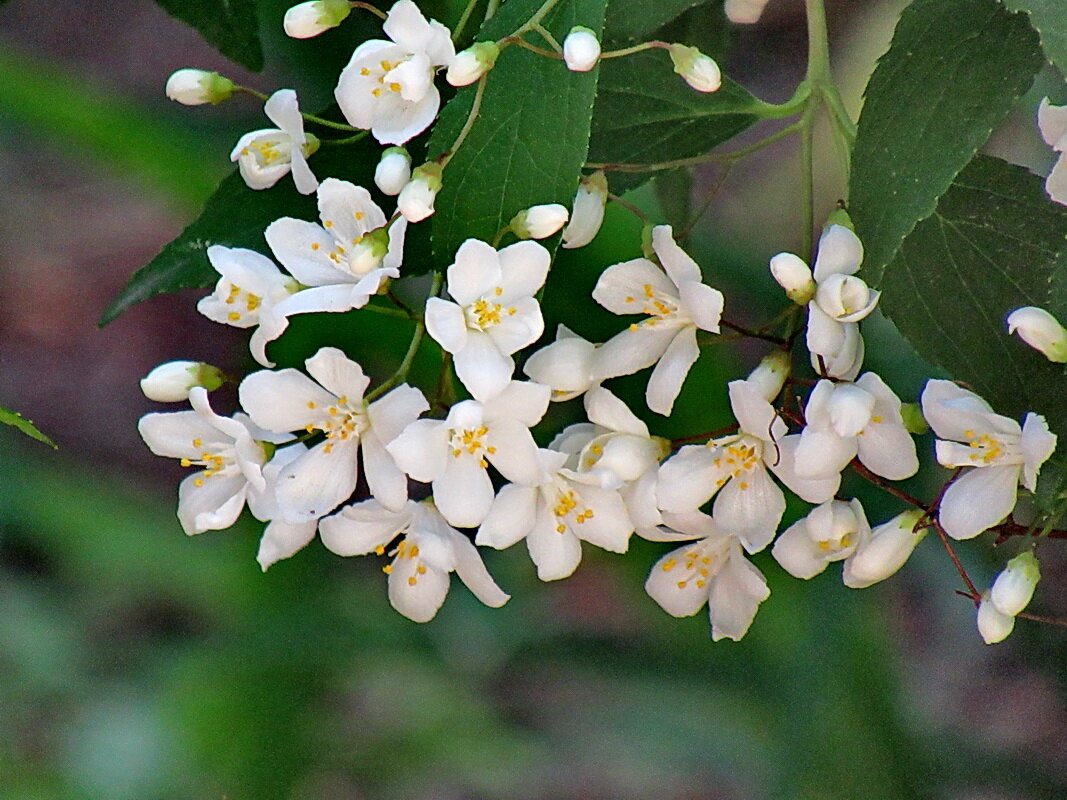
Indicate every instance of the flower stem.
{"type": "Point", "coordinates": [368, 7]}
{"type": "Point", "coordinates": [637, 48]}
{"type": "Point", "coordinates": [463, 20]}
{"type": "Point", "coordinates": [535, 20]}
{"type": "Point", "coordinates": [346, 140]}
{"type": "Point", "coordinates": [476, 107]}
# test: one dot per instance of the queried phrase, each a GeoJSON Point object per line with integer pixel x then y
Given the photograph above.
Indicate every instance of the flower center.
{"type": "Point", "coordinates": [569, 508]}
{"type": "Point", "coordinates": [221, 463]}
{"type": "Point", "coordinates": [988, 449]}
{"type": "Point", "coordinates": [660, 307]}
{"type": "Point", "coordinates": [405, 550]}
{"type": "Point", "coordinates": [484, 313]}
{"type": "Point", "coordinates": [738, 458]}
{"type": "Point", "coordinates": [269, 151]}
{"type": "Point", "coordinates": [470, 441]}
{"type": "Point", "coordinates": [236, 297]}
{"type": "Point", "coordinates": [697, 562]}
{"type": "Point", "coordinates": [341, 422]}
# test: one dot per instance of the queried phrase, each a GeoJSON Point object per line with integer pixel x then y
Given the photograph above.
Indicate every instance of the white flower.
{"type": "Point", "coordinates": [1041, 331]}
{"type": "Point", "coordinates": [423, 559]}
{"type": "Point", "coordinates": [554, 517]}
{"type": "Point", "coordinates": [744, 12]}
{"type": "Point", "coordinates": [849, 419]}
{"type": "Point", "coordinates": [581, 49]}
{"type": "Point", "coordinates": [1001, 454]}
{"type": "Point", "coordinates": [495, 313]}
{"type": "Point", "coordinates": [1014, 586]}
{"type": "Point", "coordinates": [171, 382]}
{"type": "Point", "coordinates": [676, 302]}
{"type": "Point", "coordinates": [794, 276]}
{"type": "Point", "coordinates": [280, 539]}
{"type": "Point", "coordinates": [393, 171]}
{"type": "Point", "coordinates": [1052, 121]}
{"type": "Point", "coordinates": [387, 87]}
{"type": "Point", "coordinates": [265, 156]}
{"type": "Point", "coordinates": [228, 449]}
{"type": "Point", "coordinates": [249, 288]}
{"type": "Point", "coordinates": [453, 453]}
{"type": "Point", "coordinates": [712, 570]}
{"type": "Point", "coordinates": [305, 20]}
{"type": "Point", "coordinates": [565, 366]}
{"type": "Point", "coordinates": [471, 64]}
{"type": "Point", "coordinates": [344, 261]}
{"type": "Point", "coordinates": [312, 485]}
{"type": "Point", "coordinates": [418, 195]}
{"type": "Point", "coordinates": [699, 71]}
{"type": "Point", "coordinates": [831, 532]}
{"type": "Point", "coordinates": [588, 213]}
{"type": "Point", "coordinates": [750, 504]}
{"type": "Point", "coordinates": [539, 222]}
{"type": "Point", "coordinates": [993, 625]}
{"type": "Point", "coordinates": [194, 87]}
{"type": "Point", "coordinates": [881, 554]}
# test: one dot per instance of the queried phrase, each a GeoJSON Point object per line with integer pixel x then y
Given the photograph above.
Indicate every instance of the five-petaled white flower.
{"type": "Point", "coordinates": [422, 560]}
{"type": "Point", "coordinates": [250, 287]}
{"type": "Point", "coordinates": [712, 570]}
{"type": "Point", "coordinates": [750, 504]}
{"type": "Point", "coordinates": [555, 517]}
{"type": "Point", "coordinates": [676, 302]}
{"type": "Point", "coordinates": [229, 450]}
{"type": "Point", "coordinates": [1002, 455]}
{"type": "Point", "coordinates": [454, 453]}
{"type": "Point", "coordinates": [265, 156]}
{"type": "Point", "coordinates": [387, 87]}
{"type": "Point", "coordinates": [312, 485]}
{"type": "Point", "coordinates": [495, 313]}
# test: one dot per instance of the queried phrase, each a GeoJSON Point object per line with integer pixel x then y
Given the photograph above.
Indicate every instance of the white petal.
{"type": "Point", "coordinates": [608, 525]}
{"type": "Point", "coordinates": [952, 410]}
{"type": "Point", "coordinates": [605, 409]}
{"type": "Point", "coordinates": [361, 528]}
{"type": "Point", "coordinates": [679, 598]}
{"type": "Point", "coordinates": [391, 413]}
{"type": "Point", "coordinates": [446, 324]}
{"type": "Point", "coordinates": [781, 462]}
{"type": "Point", "coordinates": [822, 454]}
{"type": "Point", "coordinates": [524, 268]}
{"type": "Point", "coordinates": [993, 626]}
{"type": "Point", "coordinates": [621, 287]}
{"type": "Point", "coordinates": [387, 483]}
{"type": "Point", "coordinates": [516, 453]}
{"type": "Point", "coordinates": [678, 265]}
{"type": "Point", "coordinates": [422, 449]}
{"type": "Point", "coordinates": [631, 349]}
{"type": "Point", "coordinates": [471, 570]}
{"type": "Point", "coordinates": [667, 378]}
{"type": "Point", "coordinates": [1056, 182]}
{"type": "Point", "coordinates": [1052, 122]}
{"type": "Point", "coordinates": [285, 400]}
{"type": "Point", "coordinates": [303, 248]}
{"type": "Point", "coordinates": [798, 553]}
{"type": "Point", "coordinates": [702, 304]}
{"type": "Point", "coordinates": [887, 449]}
{"type": "Point", "coordinates": [736, 593]}
{"type": "Point", "coordinates": [750, 508]}
{"type": "Point", "coordinates": [337, 373]}
{"type": "Point", "coordinates": [840, 252]}
{"type": "Point", "coordinates": [978, 500]}
{"type": "Point", "coordinates": [524, 401]}
{"type": "Point", "coordinates": [464, 493]}
{"type": "Point", "coordinates": [475, 272]}
{"type": "Point", "coordinates": [172, 434]}
{"type": "Point", "coordinates": [317, 482]}
{"type": "Point", "coordinates": [417, 597]}
{"type": "Point", "coordinates": [482, 368]}
{"type": "Point", "coordinates": [213, 505]}
{"type": "Point", "coordinates": [398, 120]}
{"type": "Point", "coordinates": [754, 414]}
{"type": "Point", "coordinates": [348, 211]}
{"type": "Point", "coordinates": [556, 553]}
{"type": "Point", "coordinates": [689, 478]}
{"type": "Point", "coordinates": [510, 517]}
{"type": "Point", "coordinates": [1038, 443]}
{"type": "Point", "coordinates": [825, 336]}
{"type": "Point", "coordinates": [850, 409]}
{"type": "Point", "coordinates": [282, 540]}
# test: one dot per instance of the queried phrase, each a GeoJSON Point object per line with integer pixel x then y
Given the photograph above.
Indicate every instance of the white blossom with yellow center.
{"type": "Point", "coordinates": [676, 303]}
{"type": "Point", "coordinates": [265, 156]}
{"type": "Point", "coordinates": [422, 560]}
{"type": "Point", "coordinates": [733, 469]}
{"type": "Point", "coordinates": [831, 532]}
{"type": "Point", "coordinates": [332, 404]}
{"type": "Point", "coordinates": [494, 313]}
{"type": "Point", "coordinates": [387, 86]}
{"type": "Point", "coordinates": [1002, 455]}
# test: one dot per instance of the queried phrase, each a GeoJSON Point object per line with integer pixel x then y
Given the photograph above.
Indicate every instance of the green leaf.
{"type": "Point", "coordinates": [230, 26]}
{"type": "Point", "coordinates": [529, 142]}
{"type": "Point", "coordinates": [634, 19]}
{"type": "Point", "coordinates": [645, 113]}
{"type": "Point", "coordinates": [952, 73]}
{"type": "Point", "coordinates": [236, 216]}
{"type": "Point", "coordinates": [1049, 19]}
{"type": "Point", "coordinates": [990, 247]}
{"type": "Point", "coordinates": [16, 420]}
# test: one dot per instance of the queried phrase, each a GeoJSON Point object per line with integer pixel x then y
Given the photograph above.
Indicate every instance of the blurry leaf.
{"type": "Point", "coordinates": [645, 113]}
{"type": "Point", "coordinates": [236, 216]}
{"type": "Point", "coordinates": [989, 248]}
{"type": "Point", "coordinates": [85, 120]}
{"type": "Point", "coordinates": [16, 420]}
{"type": "Point", "coordinates": [529, 142]}
{"type": "Point", "coordinates": [634, 19]}
{"type": "Point", "coordinates": [1049, 19]}
{"type": "Point", "coordinates": [952, 73]}
{"type": "Point", "coordinates": [230, 26]}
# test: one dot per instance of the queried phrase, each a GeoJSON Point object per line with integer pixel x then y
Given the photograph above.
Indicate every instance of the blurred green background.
{"type": "Point", "coordinates": [138, 663]}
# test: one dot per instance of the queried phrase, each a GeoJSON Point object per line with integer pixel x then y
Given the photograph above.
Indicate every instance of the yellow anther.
{"type": "Point", "coordinates": [682, 584]}
{"type": "Point", "coordinates": [199, 482]}
{"type": "Point", "coordinates": [186, 462]}
{"type": "Point", "coordinates": [364, 72]}
{"type": "Point", "coordinates": [380, 550]}
{"type": "Point", "coordinates": [394, 87]}
{"type": "Point", "coordinates": [561, 528]}
{"type": "Point", "coordinates": [233, 316]}
{"type": "Point", "coordinates": [376, 92]}
{"type": "Point", "coordinates": [387, 568]}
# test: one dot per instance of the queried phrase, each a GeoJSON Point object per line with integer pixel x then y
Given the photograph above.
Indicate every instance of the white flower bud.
{"type": "Point", "coordinates": [1014, 587]}
{"type": "Point", "coordinates": [417, 198]}
{"type": "Point", "coordinates": [993, 625]}
{"type": "Point", "coordinates": [846, 298]}
{"type": "Point", "coordinates": [393, 171]}
{"type": "Point", "coordinates": [699, 71]}
{"type": "Point", "coordinates": [195, 87]}
{"type": "Point", "coordinates": [469, 65]}
{"type": "Point", "coordinates": [171, 382]}
{"type": "Point", "coordinates": [581, 49]}
{"type": "Point", "coordinates": [539, 222]}
{"type": "Point", "coordinates": [884, 552]}
{"type": "Point", "coordinates": [744, 12]}
{"type": "Point", "coordinates": [310, 19]}
{"type": "Point", "coordinates": [769, 377]}
{"type": "Point", "coordinates": [794, 276]}
{"type": "Point", "coordinates": [588, 213]}
{"type": "Point", "coordinates": [1041, 331]}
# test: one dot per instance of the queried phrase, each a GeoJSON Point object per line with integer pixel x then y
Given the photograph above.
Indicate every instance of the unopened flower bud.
{"type": "Point", "coordinates": [699, 71]}
{"type": "Point", "coordinates": [769, 377]}
{"type": "Point", "coordinates": [1041, 331]}
{"type": "Point", "coordinates": [794, 276]}
{"type": "Point", "coordinates": [1014, 587]}
{"type": "Point", "coordinates": [171, 382]}
{"type": "Point", "coordinates": [417, 197]}
{"type": "Point", "coordinates": [581, 49]}
{"type": "Point", "coordinates": [195, 87]}
{"type": "Point", "coordinates": [539, 222]}
{"type": "Point", "coordinates": [993, 625]}
{"type": "Point", "coordinates": [305, 20]}
{"type": "Point", "coordinates": [846, 298]}
{"type": "Point", "coordinates": [368, 253]}
{"type": "Point", "coordinates": [393, 171]}
{"type": "Point", "coordinates": [914, 421]}
{"type": "Point", "coordinates": [588, 213]}
{"type": "Point", "coordinates": [469, 65]}
{"type": "Point", "coordinates": [885, 551]}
